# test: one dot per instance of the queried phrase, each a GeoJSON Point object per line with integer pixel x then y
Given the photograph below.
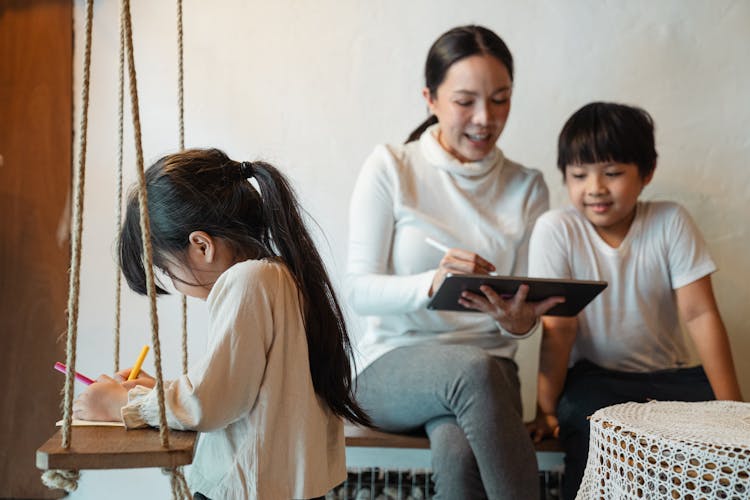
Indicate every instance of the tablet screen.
{"type": "Point", "coordinates": [577, 293]}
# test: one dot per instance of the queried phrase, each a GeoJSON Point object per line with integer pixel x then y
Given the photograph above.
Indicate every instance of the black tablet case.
{"type": "Point", "coordinates": [577, 293]}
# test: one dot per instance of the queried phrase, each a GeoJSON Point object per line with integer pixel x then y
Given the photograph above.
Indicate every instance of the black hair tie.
{"type": "Point", "coordinates": [247, 170]}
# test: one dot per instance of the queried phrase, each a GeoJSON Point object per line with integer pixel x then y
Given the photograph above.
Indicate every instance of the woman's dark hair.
{"type": "Point", "coordinates": [451, 47]}
{"type": "Point", "coordinates": [203, 189]}
{"type": "Point", "coordinates": [607, 131]}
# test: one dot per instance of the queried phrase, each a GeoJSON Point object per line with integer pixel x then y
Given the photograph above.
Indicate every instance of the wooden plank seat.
{"type": "Point", "coordinates": [357, 436]}
{"type": "Point", "coordinates": [94, 447]}
{"type": "Point", "coordinates": [372, 448]}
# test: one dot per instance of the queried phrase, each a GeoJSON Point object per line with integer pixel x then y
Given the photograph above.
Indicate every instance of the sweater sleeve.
{"type": "Point", "coordinates": [224, 384]}
{"type": "Point", "coordinates": [372, 288]}
{"type": "Point", "coordinates": [536, 204]}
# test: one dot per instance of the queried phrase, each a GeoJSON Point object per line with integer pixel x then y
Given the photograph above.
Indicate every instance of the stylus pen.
{"type": "Point", "coordinates": [436, 244]}
{"type": "Point", "coordinates": [443, 248]}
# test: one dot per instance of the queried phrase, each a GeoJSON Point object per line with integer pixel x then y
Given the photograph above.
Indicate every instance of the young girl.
{"type": "Point", "coordinates": [269, 394]}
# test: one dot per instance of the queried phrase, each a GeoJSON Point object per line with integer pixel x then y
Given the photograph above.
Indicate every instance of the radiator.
{"type": "Point", "coordinates": [373, 483]}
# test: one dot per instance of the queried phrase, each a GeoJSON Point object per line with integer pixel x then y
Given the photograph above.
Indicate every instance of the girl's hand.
{"type": "Point", "coordinates": [101, 401]}
{"type": "Point", "coordinates": [513, 313]}
{"type": "Point", "coordinates": [543, 426]}
{"type": "Point", "coordinates": [457, 261]}
{"type": "Point", "coordinates": [143, 379]}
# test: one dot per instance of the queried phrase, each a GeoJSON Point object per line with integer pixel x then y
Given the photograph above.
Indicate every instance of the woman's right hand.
{"type": "Point", "coordinates": [543, 426]}
{"type": "Point", "coordinates": [458, 261]}
{"type": "Point", "coordinates": [143, 379]}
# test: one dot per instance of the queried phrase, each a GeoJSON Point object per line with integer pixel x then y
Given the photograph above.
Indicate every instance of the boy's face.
{"type": "Point", "coordinates": [606, 194]}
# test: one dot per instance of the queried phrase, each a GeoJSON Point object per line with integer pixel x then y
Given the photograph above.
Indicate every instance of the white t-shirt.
{"type": "Point", "coordinates": [407, 193]}
{"type": "Point", "coordinates": [264, 433]}
{"type": "Point", "coordinates": [633, 325]}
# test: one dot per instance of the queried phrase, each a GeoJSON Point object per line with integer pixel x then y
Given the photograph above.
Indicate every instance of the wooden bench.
{"type": "Point", "coordinates": [370, 448]}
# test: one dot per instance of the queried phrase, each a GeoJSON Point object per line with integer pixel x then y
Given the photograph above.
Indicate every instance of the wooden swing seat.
{"type": "Point", "coordinates": [115, 448]}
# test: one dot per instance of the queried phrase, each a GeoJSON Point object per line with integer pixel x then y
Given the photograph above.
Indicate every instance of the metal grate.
{"type": "Point", "coordinates": [373, 483]}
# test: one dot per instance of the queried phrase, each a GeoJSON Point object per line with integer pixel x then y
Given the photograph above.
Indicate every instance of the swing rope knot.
{"type": "Point", "coordinates": [68, 479]}
{"type": "Point", "coordinates": [61, 479]}
{"type": "Point", "coordinates": [180, 489]}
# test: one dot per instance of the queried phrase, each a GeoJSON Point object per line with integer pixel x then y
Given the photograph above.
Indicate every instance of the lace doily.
{"type": "Point", "coordinates": [669, 450]}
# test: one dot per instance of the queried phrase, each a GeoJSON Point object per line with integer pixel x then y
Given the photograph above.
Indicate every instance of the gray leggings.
{"type": "Point", "coordinates": [469, 404]}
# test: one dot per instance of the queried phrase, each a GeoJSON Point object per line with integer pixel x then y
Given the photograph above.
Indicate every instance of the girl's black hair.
{"type": "Point", "coordinates": [451, 47]}
{"type": "Point", "coordinates": [203, 189]}
{"type": "Point", "coordinates": [608, 131]}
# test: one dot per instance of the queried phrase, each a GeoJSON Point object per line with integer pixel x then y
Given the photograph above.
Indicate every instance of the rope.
{"type": "Point", "coordinates": [180, 487]}
{"type": "Point", "coordinates": [75, 256]}
{"type": "Point", "coordinates": [63, 479]}
{"type": "Point", "coordinates": [181, 119]}
{"type": "Point", "coordinates": [118, 207]}
{"type": "Point", "coordinates": [145, 222]}
{"type": "Point", "coordinates": [180, 76]}
{"type": "Point", "coordinates": [177, 477]}
{"type": "Point", "coordinates": [184, 336]}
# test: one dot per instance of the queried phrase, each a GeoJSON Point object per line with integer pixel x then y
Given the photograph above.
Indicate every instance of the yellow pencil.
{"type": "Point", "coordinates": [138, 362]}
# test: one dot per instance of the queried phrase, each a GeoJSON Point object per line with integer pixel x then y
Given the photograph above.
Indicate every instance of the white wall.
{"type": "Point", "coordinates": [313, 86]}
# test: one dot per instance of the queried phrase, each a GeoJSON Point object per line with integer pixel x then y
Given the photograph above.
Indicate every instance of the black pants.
{"type": "Point", "coordinates": [589, 387]}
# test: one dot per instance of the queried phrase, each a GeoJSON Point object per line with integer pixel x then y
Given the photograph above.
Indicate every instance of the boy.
{"type": "Point", "coordinates": [627, 345]}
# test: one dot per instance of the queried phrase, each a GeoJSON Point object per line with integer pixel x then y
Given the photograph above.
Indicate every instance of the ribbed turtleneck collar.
{"type": "Point", "coordinates": [442, 159]}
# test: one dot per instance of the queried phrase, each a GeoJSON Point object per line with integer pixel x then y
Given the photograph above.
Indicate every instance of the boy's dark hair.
{"type": "Point", "coordinates": [203, 189]}
{"type": "Point", "coordinates": [452, 46]}
{"type": "Point", "coordinates": [607, 131]}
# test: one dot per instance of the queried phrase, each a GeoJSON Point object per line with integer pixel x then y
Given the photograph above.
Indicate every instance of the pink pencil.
{"type": "Point", "coordinates": [64, 369]}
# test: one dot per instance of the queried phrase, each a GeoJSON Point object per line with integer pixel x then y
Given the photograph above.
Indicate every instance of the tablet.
{"type": "Point", "coordinates": [577, 293]}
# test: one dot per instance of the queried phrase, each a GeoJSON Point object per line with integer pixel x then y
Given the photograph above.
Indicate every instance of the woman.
{"type": "Point", "coordinates": [451, 374]}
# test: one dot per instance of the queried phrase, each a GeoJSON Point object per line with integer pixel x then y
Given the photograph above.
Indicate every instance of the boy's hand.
{"type": "Point", "coordinates": [101, 401]}
{"type": "Point", "coordinates": [458, 261]}
{"type": "Point", "coordinates": [543, 426]}
{"type": "Point", "coordinates": [513, 313]}
{"type": "Point", "coordinates": [143, 379]}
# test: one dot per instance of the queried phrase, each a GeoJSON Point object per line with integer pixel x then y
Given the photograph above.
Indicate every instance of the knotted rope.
{"type": "Point", "coordinates": [118, 201]}
{"type": "Point", "coordinates": [181, 120]}
{"type": "Point", "coordinates": [176, 473]}
{"type": "Point", "coordinates": [68, 480]}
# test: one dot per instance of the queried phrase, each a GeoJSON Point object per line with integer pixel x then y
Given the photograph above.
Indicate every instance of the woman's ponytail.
{"type": "Point", "coordinates": [452, 46]}
{"type": "Point", "coordinates": [415, 135]}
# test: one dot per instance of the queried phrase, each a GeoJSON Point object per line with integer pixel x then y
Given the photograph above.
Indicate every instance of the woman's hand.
{"type": "Point", "coordinates": [458, 261]}
{"type": "Point", "coordinates": [143, 379]}
{"type": "Point", "coordinates": [543, 426]}
{"type": "Point", "coordinates": [101, 401]}
{"type": "Point", "coordinates": [514, 314]}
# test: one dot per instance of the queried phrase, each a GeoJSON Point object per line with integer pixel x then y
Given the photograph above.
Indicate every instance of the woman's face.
{"type": "Point", "coordinates": [472, 105]}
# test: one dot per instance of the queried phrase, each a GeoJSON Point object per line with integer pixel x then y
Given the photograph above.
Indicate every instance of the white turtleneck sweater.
{"type": "Point", "coordinates": [407, 193]}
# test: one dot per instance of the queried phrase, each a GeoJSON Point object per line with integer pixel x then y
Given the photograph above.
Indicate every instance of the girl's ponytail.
{"type": "Point", "coordinates": [329, 348]}
{"type": "Point", "coordinates": [204, 189]}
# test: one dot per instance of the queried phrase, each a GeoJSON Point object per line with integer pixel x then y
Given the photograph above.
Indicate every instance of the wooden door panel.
{"type": "Point", "coordinates": [36, 51]}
